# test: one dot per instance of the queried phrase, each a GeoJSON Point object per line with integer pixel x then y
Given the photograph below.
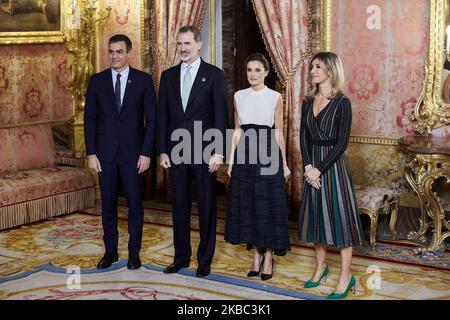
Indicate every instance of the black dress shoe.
{"type": "Point", "coordinates": [254, 273]}
{"type": "Point", "coordinates": [133, 261]}
{"type": "Point", "coordinates": [107, 260]}
{"type": "Point", "coordinates": [175, 267]}
{"type": "Point", "coordinates": [203, 271]}
{"type": "Point", "coordinates": [267, 276]}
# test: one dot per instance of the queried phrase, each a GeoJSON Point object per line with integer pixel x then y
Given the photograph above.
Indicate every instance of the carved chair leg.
{"type": "Point", "coordinates": [393, 219]}
{"type": "Point", "coordinates": [373, 228]}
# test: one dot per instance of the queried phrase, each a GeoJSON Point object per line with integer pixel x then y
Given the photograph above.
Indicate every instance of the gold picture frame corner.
{"type": "Point", "coordinates": [36, 36]}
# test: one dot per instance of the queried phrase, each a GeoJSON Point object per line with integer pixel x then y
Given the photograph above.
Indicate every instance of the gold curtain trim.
{"type": "Point", "coordinates": [201, 15]}
{"type": "Point", "coordinates": [51, 206]}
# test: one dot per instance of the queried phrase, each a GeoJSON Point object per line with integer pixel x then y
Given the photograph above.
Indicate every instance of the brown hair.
{"type": "Point", "coordinates": [194, 30]}
{"type": "Point", "coordinates": [259, 57]}
{"type": "Point", "coordinates": [332, 64]}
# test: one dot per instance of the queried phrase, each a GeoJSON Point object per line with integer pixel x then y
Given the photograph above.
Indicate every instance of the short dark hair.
{"type": "Point", "coordinates": [194, 30]}
{"type": "Point", "coordinates": [121, 37]}
{"type": "Point", "coordinates": [259, 57]}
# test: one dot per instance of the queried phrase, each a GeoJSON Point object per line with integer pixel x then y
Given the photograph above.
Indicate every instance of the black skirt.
{"type": "Point", "coordinates": [257, 212]}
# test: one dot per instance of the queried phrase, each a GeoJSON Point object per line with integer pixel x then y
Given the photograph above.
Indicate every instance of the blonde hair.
{"type": "Point", "coordinates": [333, 65]}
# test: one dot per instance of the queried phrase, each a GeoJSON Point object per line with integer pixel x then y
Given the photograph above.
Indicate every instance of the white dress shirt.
{"type": "Point", "coordinates": [123, 81]}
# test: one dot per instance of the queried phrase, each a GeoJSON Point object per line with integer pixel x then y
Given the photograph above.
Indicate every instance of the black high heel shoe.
{"type": "Point", "coordinates": [265, 276]}
{"type": "Point", "coordinates": [256, 273]}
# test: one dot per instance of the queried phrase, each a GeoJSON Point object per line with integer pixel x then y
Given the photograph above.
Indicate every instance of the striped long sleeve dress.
{"type": "Point", "coordinates": [328, 215]}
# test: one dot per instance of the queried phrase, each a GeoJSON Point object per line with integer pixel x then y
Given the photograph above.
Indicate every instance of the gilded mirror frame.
{"type": "Point", "coordinates": [38, 36]}
{"type": "Point", "coordinates": [430, 111]}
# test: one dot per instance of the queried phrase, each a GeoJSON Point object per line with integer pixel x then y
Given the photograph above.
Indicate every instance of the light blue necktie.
{"type": "Point", "coordinates": [187, 85]}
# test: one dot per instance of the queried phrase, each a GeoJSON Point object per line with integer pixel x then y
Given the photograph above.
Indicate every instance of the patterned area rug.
{"type": "Point", "coordinates": [34, 258]}
{"type": "Point", "coordinates": [48, 282]}
{"type": "Point", "coordinates": [398, 251]}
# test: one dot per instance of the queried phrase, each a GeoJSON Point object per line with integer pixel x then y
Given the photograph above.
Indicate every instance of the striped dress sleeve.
{"type": "Point", "coordinates": [343, 134]}
{"type": "Point", "coordinates": [305, 142]}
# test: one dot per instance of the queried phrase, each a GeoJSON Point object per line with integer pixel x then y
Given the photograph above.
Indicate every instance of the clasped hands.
{"type": "Point", "coordinates": [312, 176]}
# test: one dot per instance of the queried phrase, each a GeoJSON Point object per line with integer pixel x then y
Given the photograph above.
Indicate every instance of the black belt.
{"type": "Point", "coordinates": [324, 142]}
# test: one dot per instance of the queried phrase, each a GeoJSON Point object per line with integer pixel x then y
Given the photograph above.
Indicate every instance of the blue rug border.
{"type": "Point", "coordinates": [187, 272]}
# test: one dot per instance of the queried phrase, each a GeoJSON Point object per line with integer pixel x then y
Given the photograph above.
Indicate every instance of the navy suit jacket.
{"type": "Point", "coordinates": [207, 103]}
{"type": "Point", "coordinates": [107, 131]}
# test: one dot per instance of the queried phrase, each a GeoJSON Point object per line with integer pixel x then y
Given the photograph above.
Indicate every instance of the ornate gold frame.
{"type": "Point", "coordinates": [38, 36]}
{"type": "Point", "coordinates": [212, 30]}
{"type": "Point", "coordinates": [325, 25]}
{"type": "Point", "coordinates": [430, 112]}
{"type": "Point", "coordinates": [142, 34]}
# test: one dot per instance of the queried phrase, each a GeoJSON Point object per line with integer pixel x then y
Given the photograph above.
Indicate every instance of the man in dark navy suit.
{"type": "Point", "coordinates": [119, 145]}
{"type": "Point", "coordinates": [191, 93]}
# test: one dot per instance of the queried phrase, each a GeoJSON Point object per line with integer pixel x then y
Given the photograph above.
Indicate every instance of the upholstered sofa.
{"type": "Point", "coordinates": [37, 182]}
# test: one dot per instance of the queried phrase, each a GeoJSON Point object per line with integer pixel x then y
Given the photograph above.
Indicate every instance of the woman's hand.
{"type": "Point", "coordinates": [230, 168]}
{"type": "Point", "coordinates": [316, 184]}
{"type": "Point", "coordinates": [312, 177]}
{"type": "Point", "coordinates": [287, 173]}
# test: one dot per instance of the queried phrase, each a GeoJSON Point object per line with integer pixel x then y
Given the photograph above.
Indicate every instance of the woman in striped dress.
{"type": "Point", "coordinates": [329, 212]}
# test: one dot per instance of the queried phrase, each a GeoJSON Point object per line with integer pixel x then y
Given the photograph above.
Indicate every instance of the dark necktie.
{"type": "Point", "coordinates": [117, 92]}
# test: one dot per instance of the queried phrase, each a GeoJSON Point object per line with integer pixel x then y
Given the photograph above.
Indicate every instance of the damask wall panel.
{"type": "Point", "coordinates": [126, 16]}
{"type": "Point", "coordinates": [377, 165]}
{"type": "Point", "coordinates": [384, 64]}
{"type": "Point", "coordinates": [33, 81]}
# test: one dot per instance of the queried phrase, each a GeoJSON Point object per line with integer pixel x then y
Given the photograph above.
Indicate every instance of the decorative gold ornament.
{"type": "Point", "coordinates": [423, 169]}
{"type": "Point", "coordinates": [81, 47]}
{"type": "Point", "coordinates": [325, 25]}
{"type": "Point", "coordinates": [430, 112]}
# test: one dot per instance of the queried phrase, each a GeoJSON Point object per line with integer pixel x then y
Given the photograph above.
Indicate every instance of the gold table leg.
{"type": "Point", "coordinates": [422, 172]}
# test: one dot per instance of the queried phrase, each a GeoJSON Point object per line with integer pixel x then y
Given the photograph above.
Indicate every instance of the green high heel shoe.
{"type": "Point", "coordinates": [311, 284]}
{"type": "Point", "coordinates": [351, 284]}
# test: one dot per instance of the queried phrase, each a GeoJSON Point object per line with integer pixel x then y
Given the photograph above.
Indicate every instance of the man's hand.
{"type": "Point", "coordinates": [143, 164]}
{"type": "Point", "coordinates": [215, 162]}
{"type": "Point", "coordinates": [94, 163]}
{"type": "Point", "coordinates": [164, 160]}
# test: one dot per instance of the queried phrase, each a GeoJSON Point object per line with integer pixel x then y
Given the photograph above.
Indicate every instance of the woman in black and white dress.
{"type": "Point", "coordinates": [257, 208]}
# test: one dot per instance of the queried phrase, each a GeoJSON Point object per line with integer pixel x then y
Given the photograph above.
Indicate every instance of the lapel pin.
{"type": "Point", "coordinates": [203, 79]}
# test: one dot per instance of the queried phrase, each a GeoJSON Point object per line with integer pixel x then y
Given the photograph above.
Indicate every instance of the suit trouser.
{"type": "Point", "coordinates": [205, 189]}
{"type": "Point", "coordinates": [132, 182]}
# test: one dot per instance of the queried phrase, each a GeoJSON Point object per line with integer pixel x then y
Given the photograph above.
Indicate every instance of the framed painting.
{"type": "Point", "coordinates": [32, 21]}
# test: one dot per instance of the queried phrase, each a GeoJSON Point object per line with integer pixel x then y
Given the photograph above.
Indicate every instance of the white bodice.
{"type": "Point", "coordinates": [256, 107]}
